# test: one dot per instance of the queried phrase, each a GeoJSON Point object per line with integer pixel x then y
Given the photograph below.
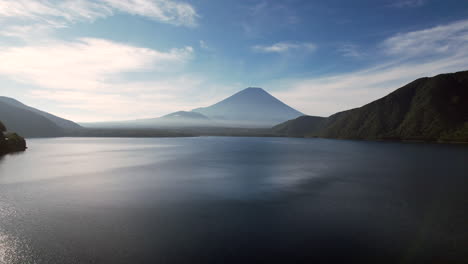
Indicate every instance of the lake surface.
{"type": "Point", "coordinates": [233, 200]}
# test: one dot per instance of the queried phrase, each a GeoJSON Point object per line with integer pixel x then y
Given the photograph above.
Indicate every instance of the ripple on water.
{"type": "Point", "coordinates": [12, 249]}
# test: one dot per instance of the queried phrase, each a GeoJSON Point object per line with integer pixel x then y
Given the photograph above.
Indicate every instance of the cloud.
{"type": "Point", "coordinates": [260, 15]}
{"type": "Point", "coordinates": [90, 79]}
{"type": "Point", "coordinates": [283, 47]}
{"type": "Point", "coordinates": [350, 50]}
{"type": "Point", "coordinates": [171, 12]}
{"type": "Point", "coordinates": [88, 73]}
{"type": "Point", "coordinates": [408, 3]}
{"type": "Point", "coordinates": [55, 13]}
{"type": "Point", "coordinates": [60, 13]}
{"type": "Point", "coordinates": [85, 64]}
{"type": "Point", "coordinates": [128, 100]}
{"type": "Point", "coordinates": [439, 40]}
{"type": "Point", "coordinates": [410, 55]}
{"type": "Point", "coordinates": [203, 45]}
{"type": "Point", "coordinates": [33, 32]}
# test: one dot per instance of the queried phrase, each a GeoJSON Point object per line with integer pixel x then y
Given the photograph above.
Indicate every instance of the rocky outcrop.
{"type": "Point", "coordinates": [10, 142]}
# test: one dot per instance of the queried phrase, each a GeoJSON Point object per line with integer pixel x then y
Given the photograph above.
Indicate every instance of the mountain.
{"type": "Point", "coordinates": [31, 122]}
{"type": "Point", "coordinates": [184, 118]}
{"type": "Point", "coordinates": [28, 123]}
{"type": "Point", "coordinates": [183, 115]}
{"type": "Point", "coordinates": [62, 123]}
{"type": "Point", "coordinates": [251, 107]}
{"type": "Point", "coordinates": [429, 109]}
{"type": "Point", "coordinates": [178, 119]}
{"type": "Point", "coordinates": [300, 126]}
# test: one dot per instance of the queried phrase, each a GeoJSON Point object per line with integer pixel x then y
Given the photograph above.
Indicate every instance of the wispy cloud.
{"type": "Point", "coordinates": [410, 55]}
{"type": "Point", "coordinates": [84, 64]}
{"type": "Point", "coordinates": [33, 32]}
{"type": "Point", "coordinates": [88, 73]}
{"type": "Point", "coordinates": [260, 15]}
{"type": "Point", "coordinates": [203, 45]}
{"type": "Point", "coordinates": [53, 13]}
{"type": "Point", "coordinates": [167, 11]}
{"type": "Point", "coordinates": [130, 100]}
{"type": "Point", "coordinates": [60, 13]}
{"type": "Point", "coordinates": [350, 50]}
{"type": "Point", "coordinates": [408, 3]}
{"type": "Point", "coordinates": [283, 47]}
{"type": "Point", "coordinates": [439, 40]}
{"type": "Point", "coordinates": [91, 75]}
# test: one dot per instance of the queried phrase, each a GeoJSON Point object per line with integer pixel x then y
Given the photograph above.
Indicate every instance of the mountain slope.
{"type": "Point", "coordinates": [249, 107]}
{"type": "Point", "coordinates": [61, 122]}
{"type": "Point", "coordinates": [28, 123]}
{"type": "Point", "coordinates": [185, 115]}
{"type": "Point", "coordinates": [300, 126]}
{"type": "Point", "coordinates": [172, 120]}
{"type": "Point", "coordinates": [183, 119]}
{"type": "Point", "coordinates": [426, 109]}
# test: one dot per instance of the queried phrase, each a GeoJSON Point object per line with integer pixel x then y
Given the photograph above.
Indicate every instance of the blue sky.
{"type": "Point", "coordinates": [106, 60]}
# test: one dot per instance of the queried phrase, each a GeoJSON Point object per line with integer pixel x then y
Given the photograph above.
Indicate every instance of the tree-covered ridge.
{"type": "Point", "coordinates": [10, 142]}
{"type": "Point", "coordinates": [427, 109]}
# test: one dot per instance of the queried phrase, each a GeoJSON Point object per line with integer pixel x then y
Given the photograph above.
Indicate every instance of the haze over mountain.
{"type": "Point", "coordinates": [431, 109]}
{"type": "Point", "coordinates": [185, 118]}
{"type": "Point", "coordinates": [31, 122]}
{"type": "Point", "coordinates": [28, 123]}
{"type": "Point", "coordinates": [179, 119]}
{"type": "Point", "coordinates": [434, 109]}
{"type": "Point", "coordinates": [61, 122]}
{"type": "Point", "coordinates": [251, 107]}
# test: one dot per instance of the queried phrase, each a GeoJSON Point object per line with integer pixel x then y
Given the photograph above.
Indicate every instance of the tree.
{"type": "Point", "coordinates": [2, 127]}
{"type": "Point", "coordinates": [15, 142]}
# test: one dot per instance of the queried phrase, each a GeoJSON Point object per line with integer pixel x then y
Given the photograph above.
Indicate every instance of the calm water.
{"type": "Point", "coordinates": [233, 200]}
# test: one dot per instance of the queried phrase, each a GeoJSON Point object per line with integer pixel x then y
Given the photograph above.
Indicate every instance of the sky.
{"type": "Point", "coordinates": [107, 60]}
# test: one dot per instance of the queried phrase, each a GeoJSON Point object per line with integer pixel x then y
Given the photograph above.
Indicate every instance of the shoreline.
{"type": "Point", "coordinates": [260, 136]}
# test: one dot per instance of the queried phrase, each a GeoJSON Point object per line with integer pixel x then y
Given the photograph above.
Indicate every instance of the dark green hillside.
{"type": "Point", "coordinates": [10, 142]}
{"type": "Point", "coordinates": [429, 109]}
{"type": "Point", "coordinates": [300, 126]}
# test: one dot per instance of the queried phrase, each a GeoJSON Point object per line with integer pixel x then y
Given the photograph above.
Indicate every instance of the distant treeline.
{"type": "Point", "coordinates": [125, 132]}
{"type": "Point", "coordinates": [170, 132]}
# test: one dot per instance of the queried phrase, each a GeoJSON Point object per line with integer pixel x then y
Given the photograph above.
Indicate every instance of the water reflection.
{"type": "Point", "coordinates": [12, 249]}
{"type": "Point", "coordinates": [232, 200]}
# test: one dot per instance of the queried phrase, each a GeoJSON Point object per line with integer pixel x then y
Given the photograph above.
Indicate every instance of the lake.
{"type": "Point", "coordinates": [233, 200]}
